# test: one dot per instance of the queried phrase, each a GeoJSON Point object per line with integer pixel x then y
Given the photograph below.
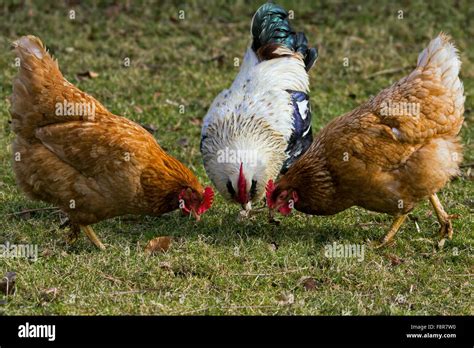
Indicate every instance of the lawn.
{"type": "Point", "coordinates": [181, 56]}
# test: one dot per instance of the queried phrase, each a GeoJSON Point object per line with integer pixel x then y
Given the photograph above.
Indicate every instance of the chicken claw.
{"type": "Point", "coordinates": [92, 236]}
{"type": "Point", "coordinates": [397, 223]}
{"type": "Point", "coordinates": [444, 219]}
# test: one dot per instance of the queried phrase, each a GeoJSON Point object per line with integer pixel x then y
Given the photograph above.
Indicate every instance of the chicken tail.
{"type": "Point", "coordinates": [429, 102]}
{"type": "Point", "coordinates": [442, 60]}
{"type": "Point", "coordinates": [41, 95]}
{"type": "Point", "coordinates": [273, 36]}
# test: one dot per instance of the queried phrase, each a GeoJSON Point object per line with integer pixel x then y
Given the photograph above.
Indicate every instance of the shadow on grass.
{"type": "Point", "coordinates": [219, 229]}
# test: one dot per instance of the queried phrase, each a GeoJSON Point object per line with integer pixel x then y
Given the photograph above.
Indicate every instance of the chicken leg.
{"type": "Point", "coordinates": [396, 224]}
{"type": "Point", "coordinates": [444, 219]}
{"type": "Point", "coordinates": [92, 236]}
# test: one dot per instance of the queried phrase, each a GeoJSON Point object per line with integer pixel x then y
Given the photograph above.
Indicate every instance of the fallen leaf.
{"type": "Point", "coordinates": [47, 252]}
{"type": "Point", "coordinates": [7, 284]}
{"type": "Point", "coordinates": [309, 283]}
{"type": "Point", "coordinates": [87, 75]}
{"type": "Point", "coordinates": [395, 260]}
{"type": "Point", "coordinates": [48, 295]}
{"type": "Point", "coordinates": [158, 244]}
{"type": "Point", "coordinates": [195, 121]}
{"type": "Point", "coordinates": [286, 299]}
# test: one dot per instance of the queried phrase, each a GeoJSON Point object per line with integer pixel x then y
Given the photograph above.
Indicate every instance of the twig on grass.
{"type": "Point", "coordinates": [129, 292]}
{"type": "Point", "coordinates": [26, 211]}
{"type": "Point", "coordinates": [387, 72]}
{"type": "Point", "coordinates": [226, 307]}
{"type": "Point", "coordinates": [268, 274]}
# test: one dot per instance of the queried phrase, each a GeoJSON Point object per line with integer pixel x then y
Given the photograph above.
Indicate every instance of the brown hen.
{"type": "Point", "coordinates": [71, 151]}
{"type": "Point", "coordinates": [397, 149]}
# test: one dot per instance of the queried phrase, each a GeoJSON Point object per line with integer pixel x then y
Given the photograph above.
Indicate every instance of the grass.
{"type": "Point", "coordinates": [220, 266]}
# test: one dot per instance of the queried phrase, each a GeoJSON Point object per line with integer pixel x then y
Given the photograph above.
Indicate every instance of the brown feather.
{"type": "Point", "coordinates": [93, 166]}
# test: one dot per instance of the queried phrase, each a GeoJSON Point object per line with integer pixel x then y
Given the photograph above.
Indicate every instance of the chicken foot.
{"type": "Point", "coordinates": [92, 236]}
{"type": "Point", "coordinates": [444, 219]}
{"type": "Point", "coordinates": [396, 224]}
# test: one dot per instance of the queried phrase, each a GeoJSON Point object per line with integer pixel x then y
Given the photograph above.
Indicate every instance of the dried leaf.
{"type": "Point", "coordinates": [7, 284]}
{"type": "Point", "coordinates": [48, 295]}
{"type": "Point", "coordinates": [195, 121]}
{"type": "Point", "coordinates": [158, 244]}
{"type": "Point", "coordinates": [286, 299]}
{"type": "Point", "coordinates": [309, 283]}
{"type": "Point", "coordinates": [47, 252]}
{"type": "Point", "coordinates": [87, 75]}
{"type": "Point", "coordinates": [395, 260]}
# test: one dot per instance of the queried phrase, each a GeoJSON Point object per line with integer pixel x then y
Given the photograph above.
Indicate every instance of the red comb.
{"type": "Point", "coordinates": [207, 201]}
{"type": "Point", "coordinates": [269, 190]}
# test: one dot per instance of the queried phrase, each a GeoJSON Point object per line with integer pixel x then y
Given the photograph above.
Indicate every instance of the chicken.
{"type": "Point", "coordinates": [71, 151]}
{"type": "Point", "coordinates": [258, 127]}
{"type": "Point", "coordinates": [388, 154]}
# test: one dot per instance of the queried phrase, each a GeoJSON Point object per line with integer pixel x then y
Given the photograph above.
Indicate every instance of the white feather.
{"type": "Point", "coordinates": [256, 113]}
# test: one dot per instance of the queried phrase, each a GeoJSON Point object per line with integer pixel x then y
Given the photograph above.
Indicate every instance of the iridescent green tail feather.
{"type": "Point", "coordinates": [270, 25]}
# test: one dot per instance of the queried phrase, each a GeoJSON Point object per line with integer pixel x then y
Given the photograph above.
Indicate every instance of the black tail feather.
{"type": "Point", "coordinates": [270, 26]}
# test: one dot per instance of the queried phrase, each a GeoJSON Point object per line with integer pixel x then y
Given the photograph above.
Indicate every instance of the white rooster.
{"type": "Point", "coordinates": [259, 126]}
